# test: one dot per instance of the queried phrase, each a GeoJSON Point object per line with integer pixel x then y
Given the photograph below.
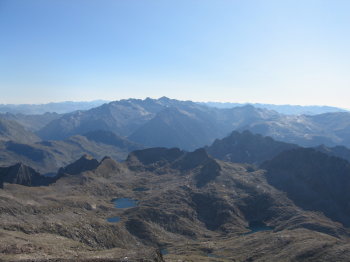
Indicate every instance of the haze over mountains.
{"type": "Point", "coordinates": [49, 141]}
{"type": "Point", "coordinates": [189, 125]}
{"type": "Point", "coordinates": [70, 106]}
{"type": "Point", "coordinates": [210, 184]}
{"type": "Point", "coordinates": [58, 107]}
{"type": "Point", "coordinates": [283, 109]}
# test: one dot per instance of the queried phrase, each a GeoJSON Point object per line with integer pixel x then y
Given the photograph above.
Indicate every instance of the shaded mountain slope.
{"type": "Point", "coordinates": [313, 180]}
{"type": "Point", "coordinates": [173, 127]}
{"type": "Point", "coordinates": [337, 124]}
{"type": "Point", "coordinates": [246, 147]}
{"type": "Point", "coordinates": [191, 127]}
{"type": "Point", "coordinates": [338, 151]}
{"type": "Point", "coordinates": [110, 138]}
{"type": "Point", "coordinates": [11, 130]}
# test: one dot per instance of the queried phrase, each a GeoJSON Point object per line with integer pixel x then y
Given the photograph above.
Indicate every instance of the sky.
{"type": "Point", "coordinates": [267, 51]}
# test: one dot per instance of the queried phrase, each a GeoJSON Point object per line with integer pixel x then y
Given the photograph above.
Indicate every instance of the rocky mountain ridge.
{"type": "Point", "coordinates": [190, 204]}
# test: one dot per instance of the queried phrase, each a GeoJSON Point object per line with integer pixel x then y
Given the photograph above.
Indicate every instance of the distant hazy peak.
{"type": "Point", "coordinates": [283, 109]}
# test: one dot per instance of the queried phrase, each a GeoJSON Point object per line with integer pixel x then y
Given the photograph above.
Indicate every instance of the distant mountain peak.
{"type": "Point", "coordinates": [164, 98]}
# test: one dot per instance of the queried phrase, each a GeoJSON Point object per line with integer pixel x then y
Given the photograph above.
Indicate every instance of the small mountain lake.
{"type": "Point", "coordinates": [113, 219]}
{"type": "Point", "coordinates": [140, 189]}
{"type": "Point", "coordinates": [257, 226]}
{"type": "Point", "coordinates": [124, 203]}
{"type": "Point", "coordinates": [121, 203]}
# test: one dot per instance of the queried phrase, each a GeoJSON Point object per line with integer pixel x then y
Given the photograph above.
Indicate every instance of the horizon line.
{"type": "Point", "coordinates": [158, 98]}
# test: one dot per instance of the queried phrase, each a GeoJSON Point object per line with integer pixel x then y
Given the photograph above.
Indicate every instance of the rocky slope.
{"type": "Point", "coordinates": [189, 205]}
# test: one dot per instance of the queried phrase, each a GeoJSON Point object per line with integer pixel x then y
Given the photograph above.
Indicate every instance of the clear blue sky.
{"type": "Point", "coordinates": [269, 51]}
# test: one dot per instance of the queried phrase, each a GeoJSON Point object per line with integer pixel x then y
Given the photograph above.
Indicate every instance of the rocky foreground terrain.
{"type": "Point", "coordinates": [190, 207]}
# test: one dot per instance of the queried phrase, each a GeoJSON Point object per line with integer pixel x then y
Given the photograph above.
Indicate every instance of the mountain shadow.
{"type": "Point", "coordinates": [313, 180]}
{"type": "Point", "coordinates": [246, 147]}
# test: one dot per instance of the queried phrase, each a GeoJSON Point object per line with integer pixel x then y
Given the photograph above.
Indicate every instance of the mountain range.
{"type": "Point", "coordinates": [54, 107]}
{"type": "Point", "coordinates": [70, 106]}
{"type": "Point", "coordinates": [188, 125]}
{"type": "Point", "coordinates": [185, 124]}
{"type": "Point", "coordinates": [169, 180]}
{"type": "Point", "coordinates": [283, 109]}
{"type": "Point", "coordinates": [49, 141]}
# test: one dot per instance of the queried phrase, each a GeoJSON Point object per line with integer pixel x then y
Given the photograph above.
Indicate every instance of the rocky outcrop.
{"type": "Point", "coordinates": [85, 163]}
{"type": "Point", "coordinates": [22, 175]}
